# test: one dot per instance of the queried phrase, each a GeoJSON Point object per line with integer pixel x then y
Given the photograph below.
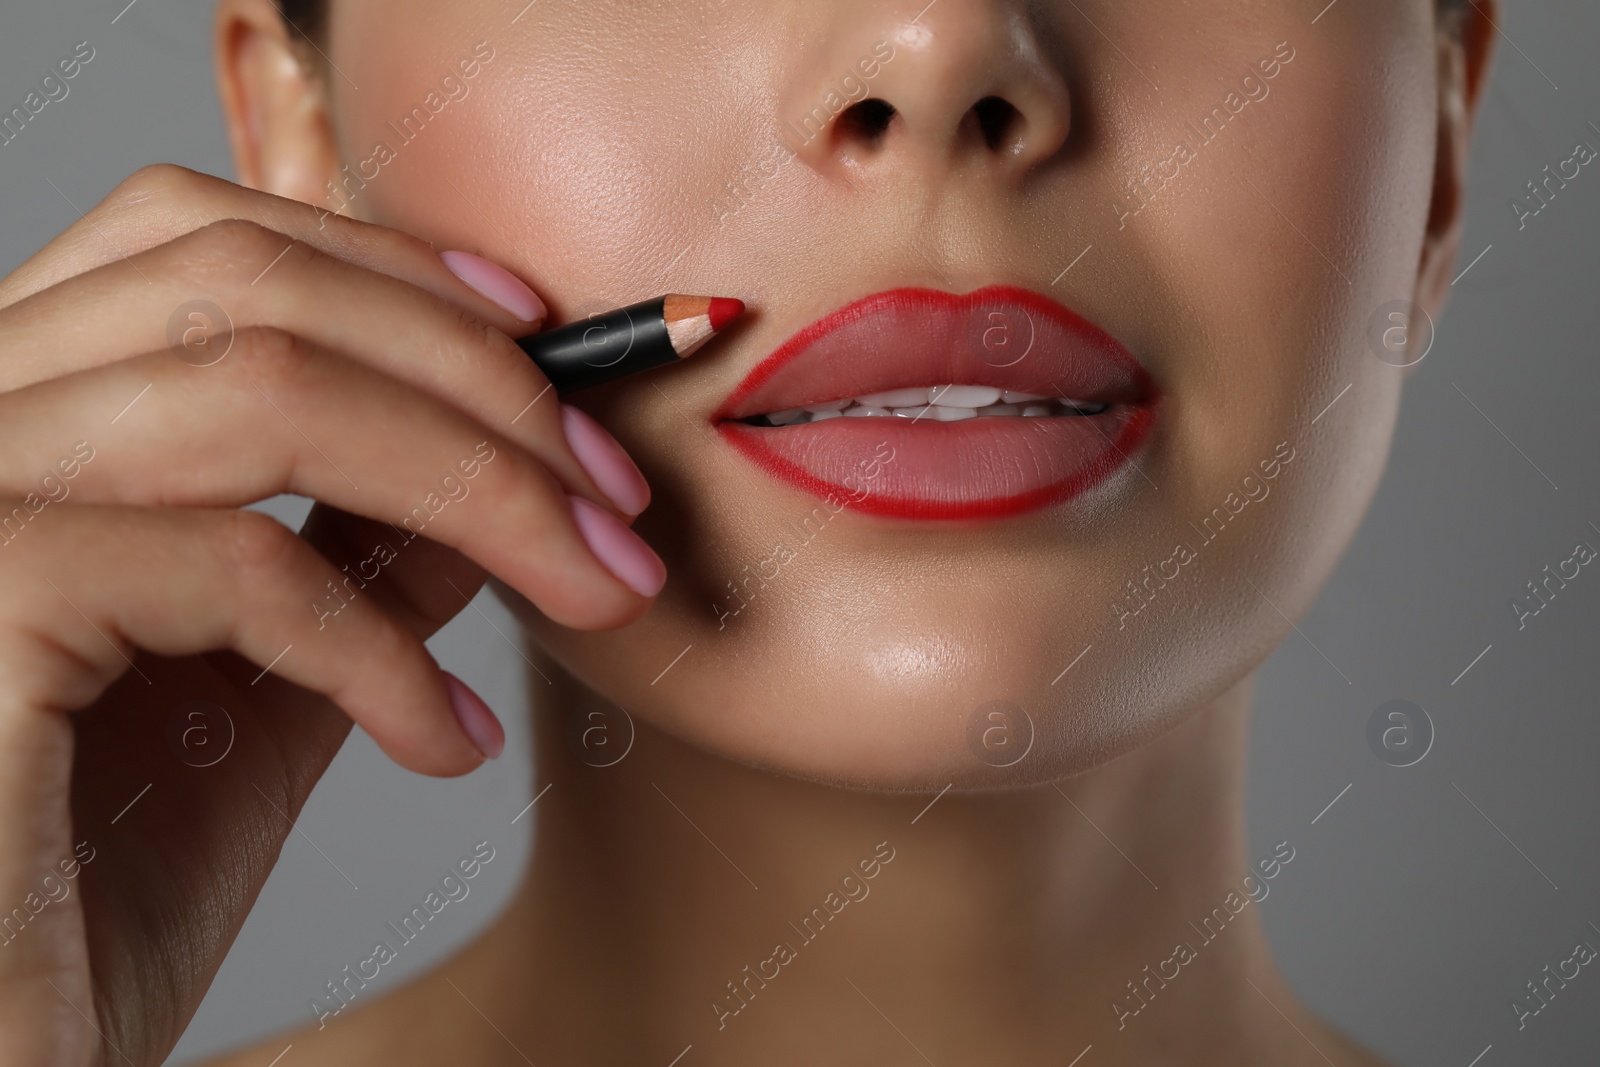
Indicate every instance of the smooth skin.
{"type": "Point", "coordinates": [362, 370]}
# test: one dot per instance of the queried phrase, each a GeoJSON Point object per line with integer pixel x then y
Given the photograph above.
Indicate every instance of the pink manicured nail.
{"type": "Point", "coordinates": [619, 548]}
{"type": "Point", "coordinates": [477, 721]}
{"type": "Point", "coordinates": [605, 461]}
{"type": "Point", "coordinates": [496, 283]}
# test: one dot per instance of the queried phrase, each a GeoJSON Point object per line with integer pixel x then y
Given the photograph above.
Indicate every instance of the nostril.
{"type": "Point", "coordinates": [866, 122]}
{"type": "Point", "coordinates": [997, 119]}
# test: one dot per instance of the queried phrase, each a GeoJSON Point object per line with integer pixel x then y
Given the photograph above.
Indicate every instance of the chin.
{"type": "Point", "coordinates": [893, 673]}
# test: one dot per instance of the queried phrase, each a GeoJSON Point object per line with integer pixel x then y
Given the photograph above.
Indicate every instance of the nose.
{"type": "Point", "coordinates": [960, 83]}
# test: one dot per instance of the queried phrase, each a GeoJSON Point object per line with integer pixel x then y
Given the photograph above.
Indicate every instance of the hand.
{"type": "Point", "coordinates": [362, 373]}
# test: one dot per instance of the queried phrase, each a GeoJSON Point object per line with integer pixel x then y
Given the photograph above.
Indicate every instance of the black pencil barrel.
{"type": "Point", "coordinates": [594, 351]}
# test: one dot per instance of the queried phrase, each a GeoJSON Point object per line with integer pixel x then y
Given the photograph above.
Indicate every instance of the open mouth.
{"type": "Point", "coordinates": [921, 404]}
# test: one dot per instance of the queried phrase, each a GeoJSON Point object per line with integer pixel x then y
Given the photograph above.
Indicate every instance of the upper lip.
{"type": "Point", "coordinates": [1001, 336]}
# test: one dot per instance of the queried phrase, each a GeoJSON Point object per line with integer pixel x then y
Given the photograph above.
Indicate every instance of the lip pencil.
{"type": "Point", "coordinates": [641, 337]}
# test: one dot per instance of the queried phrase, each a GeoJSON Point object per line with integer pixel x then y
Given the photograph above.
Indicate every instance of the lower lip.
{"type": "Point", "coordinates": [981, 468]}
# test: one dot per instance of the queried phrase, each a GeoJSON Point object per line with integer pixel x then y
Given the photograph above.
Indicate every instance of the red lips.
{"type": "Point", "coordinates": [1003, 337]}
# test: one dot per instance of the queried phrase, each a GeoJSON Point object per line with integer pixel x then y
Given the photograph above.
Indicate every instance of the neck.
{"type": "Point", "coordinates": [679, 899]}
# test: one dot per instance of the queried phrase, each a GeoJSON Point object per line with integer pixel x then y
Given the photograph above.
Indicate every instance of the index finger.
{"type": "Point", "coordinates": [160, 203]}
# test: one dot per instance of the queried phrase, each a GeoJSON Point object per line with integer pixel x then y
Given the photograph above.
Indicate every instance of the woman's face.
{"type": "Point", "coordinates": [1231, 190]}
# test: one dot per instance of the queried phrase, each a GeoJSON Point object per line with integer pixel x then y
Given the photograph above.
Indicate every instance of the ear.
{"type": "Point", "coordinates": [274, 104]}
{"type": "Point", "coordinates": [1464, 52]}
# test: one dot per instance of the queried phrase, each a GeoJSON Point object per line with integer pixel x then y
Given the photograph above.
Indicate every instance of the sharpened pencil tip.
{"type": "Point", "coordinates": [724, 310]}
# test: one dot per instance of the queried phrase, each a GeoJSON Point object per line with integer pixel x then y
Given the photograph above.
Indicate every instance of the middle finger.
{"type": "Point", "coordinates": [281, 415]}
{"type": "Point", "coordinates": [258, 277]}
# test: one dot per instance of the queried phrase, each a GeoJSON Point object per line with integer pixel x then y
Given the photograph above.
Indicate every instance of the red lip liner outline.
{"type": "Point", "coordinates": [1135, 429]}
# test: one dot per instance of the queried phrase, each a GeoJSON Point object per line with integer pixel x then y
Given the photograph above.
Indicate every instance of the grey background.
{"type": "Point", "coordinates": [1408, 917]}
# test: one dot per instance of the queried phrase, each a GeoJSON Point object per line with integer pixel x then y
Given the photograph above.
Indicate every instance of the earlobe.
{"type": "Point", "coordinates": [1464, 53]}
{"type": "Point", "coordinates": [275, 108]}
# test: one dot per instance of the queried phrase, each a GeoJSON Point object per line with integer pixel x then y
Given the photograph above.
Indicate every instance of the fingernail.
{"type": "Point", "coordinates": [477, 721]}
{"type": "Point", "coordinates": [496, 283]}
{"type": "Point", "coordinates": [619, 548]}
{"type": "Point", "coordinates": [605, 461]}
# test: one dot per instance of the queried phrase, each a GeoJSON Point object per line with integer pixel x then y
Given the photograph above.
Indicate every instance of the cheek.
{"type": "Point", "coordinates": [1322, 227]}
{"type": "Point", "coordinates": [595, 142]}
{"type": "Point", "coordinates": [1266, 267]}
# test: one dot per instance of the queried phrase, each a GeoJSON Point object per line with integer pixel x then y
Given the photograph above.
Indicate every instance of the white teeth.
{"type": "Point", "coordinates": [895, 398]}
{"type": "Point", "coordinates": [963, 396]}
{"type": "Point", "coordinates": [936, 412]}
{"type": "Point", "coordinates": [939, 403]}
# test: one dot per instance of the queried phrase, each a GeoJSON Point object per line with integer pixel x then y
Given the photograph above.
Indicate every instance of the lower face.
{"type": "Point", "coordinates": [855, 595]}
